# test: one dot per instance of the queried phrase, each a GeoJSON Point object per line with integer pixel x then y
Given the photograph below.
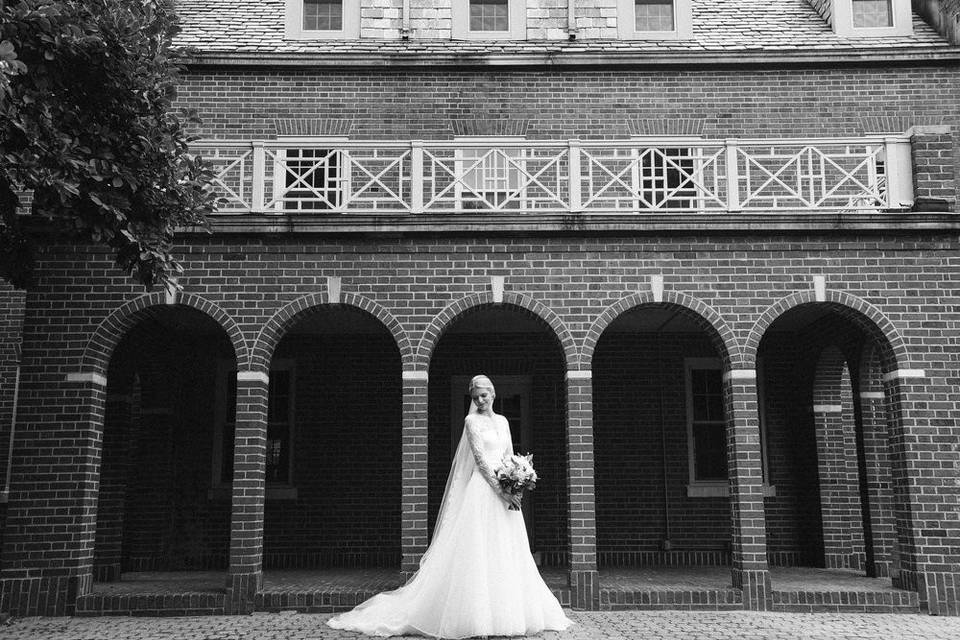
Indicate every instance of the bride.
{"type": "Point", "coordinates": [478, 577]}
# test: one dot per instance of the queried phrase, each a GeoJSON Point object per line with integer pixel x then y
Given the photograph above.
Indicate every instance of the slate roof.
{"type": "Point", "coordinates": [257, 26]}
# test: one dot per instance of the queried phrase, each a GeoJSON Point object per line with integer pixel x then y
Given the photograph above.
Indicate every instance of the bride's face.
{"type": "Point", "coordinates": [483, 398]}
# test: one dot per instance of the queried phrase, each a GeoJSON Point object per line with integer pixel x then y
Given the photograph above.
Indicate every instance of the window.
{"type": "Point", "coordinates": [654, 15]}
{"type": "Point", "coordinates": [322, 19]}
{"type": "Point", "coordinates": [489, 19]}
{"type": "Point", "coordinates": [310, 178]}
{"type": "Point", "coordinates": [872, 18]}
{"type": "Point", "coordinates": [279, 423]}
{"type": "Point", "coordinates": [654, 19]}
{"type": "Point", "coordinates": [492, 177]}
{"type": "Point", "coordinates": [872, 13]}
{"type": "Point", "coordinates": [322, 15]}
{"type": "Point", "coordinates": [489, 15]}
{"type": "Point", "coordinates": [667, 178]}
{"type": "Point", "coordinates": [706, 426]}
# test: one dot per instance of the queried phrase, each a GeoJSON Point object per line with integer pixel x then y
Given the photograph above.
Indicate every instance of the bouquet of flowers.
{"type": "Point", "coordinates": [517, 474]}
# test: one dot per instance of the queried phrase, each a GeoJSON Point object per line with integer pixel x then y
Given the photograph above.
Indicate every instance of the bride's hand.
{"type": "Point", "coordinates": [511, 499]}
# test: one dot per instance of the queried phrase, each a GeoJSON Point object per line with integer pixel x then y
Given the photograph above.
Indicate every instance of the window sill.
{"type": "Point", "coordinates": [274, 492]}
{"type": "Point", "coordinates": [721, 490]}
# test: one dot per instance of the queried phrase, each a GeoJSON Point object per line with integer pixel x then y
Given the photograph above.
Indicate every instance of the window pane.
{"type": "Point", "coordinates": [489, 15]}
{"type": "Point", "coordinates": [492, 179]}
{"type": "Point", "coordinates": [707, 394]}
{"type": "Point", "coordinates": [872, 13]}
{"type": "Point", "coordinates": [667, 177]}
{"type": "Point", "coordinates": [313, 179]}
{"type": "Point", "coordinates": [709, 451]}
{"type": "Point", "coordinates": [323, 15]}
{"type": "Point", "coordinates": [654, 15]}
{"type": "Point", "coordinates": [279, 396]}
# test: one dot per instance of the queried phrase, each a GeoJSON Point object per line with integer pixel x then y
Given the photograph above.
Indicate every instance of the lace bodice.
{"type": "Point", "coordinates": [490, 441]}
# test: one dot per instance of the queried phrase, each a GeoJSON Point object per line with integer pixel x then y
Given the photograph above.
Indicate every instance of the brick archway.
{"type": "Point", "coordinates": [443, 320]}
{"type": "Point", "coordinates": [273, 330]}
{"type": "Point", "coordinates": [705, 316]}
{"type": "Point", "coordinates": [106, 337]}
{"type": "Point", "coordinates": [893, 350]}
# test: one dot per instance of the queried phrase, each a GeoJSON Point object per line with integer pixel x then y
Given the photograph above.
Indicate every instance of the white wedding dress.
{"type": "Point", "coordinates": [478, 577]}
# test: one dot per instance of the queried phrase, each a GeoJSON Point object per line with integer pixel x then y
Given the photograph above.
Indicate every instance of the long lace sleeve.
{"type": "Point", "coordinates": [473, 436]}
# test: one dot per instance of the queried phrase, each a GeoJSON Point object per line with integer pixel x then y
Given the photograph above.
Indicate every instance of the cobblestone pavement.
{"type": "Point", "coordinates": [672, 625]}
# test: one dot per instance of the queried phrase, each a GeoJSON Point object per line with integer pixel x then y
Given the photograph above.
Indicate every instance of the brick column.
{"type": "Point", "coordinates": [414, 452]}
{"type": "Point", "coordinates": [750, 572]}
{"type": "Point", "coordinates": [51, 519]}
{"type": "Point", "coordinates": [582, 555]}
{"type": "Point", "coordinates": [245, 577]}
{"type": "Point", "coordinates": [934, 170]}
{"type": "Point", "coordinates": [924, 487]}
{"type": "Point", "coordinates": [839, 501]}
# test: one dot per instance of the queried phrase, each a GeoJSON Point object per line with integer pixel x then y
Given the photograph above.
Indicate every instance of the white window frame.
{"type": "Point", "coordinates": [673, 142]}
{"type": "Point", "coordinates": [718, 489]}
{"type": "Point", "coordinates": [689, 365]}
{"type": "Point", "coordinates": [682, 22]}
{"type": "Point", "coordinates": [462, 163]}
{"type": "Point", "coordinates": [280, 171]}
{"type": "Point", "coordinates": [294, 23]}
{"type": "Point", "coordinates": [460, 26]}
{"type": "Point", "coordinates": [843, 21]}
{"type": "Point", "coordinates": [222, 490]}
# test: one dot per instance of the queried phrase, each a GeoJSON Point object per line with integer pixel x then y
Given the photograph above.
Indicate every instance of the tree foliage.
{"type": "Point", "coordinates": [87, 128]}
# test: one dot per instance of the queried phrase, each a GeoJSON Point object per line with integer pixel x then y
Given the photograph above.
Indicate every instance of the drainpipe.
{"type": "Point", "coordinates": [571, 19]}
{"type": "Point", "coordinates": [5, 496]}
{"type": "Point", "coordinates": [405, 21]}
{"type": "Point", "coordinates": [667, 544]}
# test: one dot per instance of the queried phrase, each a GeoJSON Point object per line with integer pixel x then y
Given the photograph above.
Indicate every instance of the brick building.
{"type": "Point", "coordinates": [706, 249]}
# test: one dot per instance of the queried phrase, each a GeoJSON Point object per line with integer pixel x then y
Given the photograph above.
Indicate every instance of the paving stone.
{"type": "Point", "coordinates": [672, 625]}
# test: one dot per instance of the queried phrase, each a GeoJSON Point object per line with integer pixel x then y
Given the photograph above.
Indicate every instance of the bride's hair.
{"type": "Point", "coordinates": [480, 382]}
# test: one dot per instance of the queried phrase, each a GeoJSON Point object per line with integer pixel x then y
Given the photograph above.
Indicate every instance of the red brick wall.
{"type": "Point", "coordinates": [11, 326]}
{"type": "Point", "coordinates": [629, 376]}
{"type": "Point", "coordinates": [587, 103]}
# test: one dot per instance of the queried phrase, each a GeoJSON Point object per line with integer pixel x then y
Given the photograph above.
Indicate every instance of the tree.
{"type": "Point", "coordinates": [87, 128]}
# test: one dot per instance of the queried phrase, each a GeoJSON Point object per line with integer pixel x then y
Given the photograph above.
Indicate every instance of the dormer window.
{"type": "Point", "coordinates": [322, 15]}
{"type": "Point", "coordinates": [654, 15]}
{"type": "Point", "coordinates": [489, 19]}
{"type": "Point", "coordinates": [872, 13]}
{"type": "Point", "coordinates": [868, 18]}
{"type": "Point", "coordinates": [322, 19]}
{"type": "Point", "coordinates": [489, 15]}
{"type": "Point", "coordinates": [654, 19]}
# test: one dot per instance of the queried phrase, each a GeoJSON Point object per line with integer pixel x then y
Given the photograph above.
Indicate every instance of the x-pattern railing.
{"type": "Point", "coordinates": [621, 176]}
{"type": "Point", "coordinates": [495, 179]}
{"type": "Point", "coordinates": [812, 177]}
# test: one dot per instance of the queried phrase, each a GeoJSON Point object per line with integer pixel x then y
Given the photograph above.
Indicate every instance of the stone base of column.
{"type": "Point", "coordinates": [410, 563]}
{"type": "Point", "coordinates": [108, 572]}
{"type": "Point", "coordinates": [44, 596]}
{"type": "Point", "coordinates": [844, 561]}
{"type": "Point", "coordinates": [242, 590]}
{"type": "Point", "coordinates": [585, 590]}
{"type": "Point", "coordinates": [938, 590]}
{"type": "Point", "coordinates": [756, 587]}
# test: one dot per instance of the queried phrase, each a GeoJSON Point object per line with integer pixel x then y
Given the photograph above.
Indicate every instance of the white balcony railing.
{"type": "Point", "coordinates": [575, 176]}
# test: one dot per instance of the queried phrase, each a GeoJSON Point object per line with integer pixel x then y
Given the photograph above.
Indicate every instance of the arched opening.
{"type": "Point", "coordinates": [660, 445]}
{"type": "Point", "coordinates": [523, 357]}
{"type": "Point", "coordinates": [821, 409]}
{"type": "Point", "coordinates": [158, 516]}
{"type": "Point", "coordinates": [333, 466]}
